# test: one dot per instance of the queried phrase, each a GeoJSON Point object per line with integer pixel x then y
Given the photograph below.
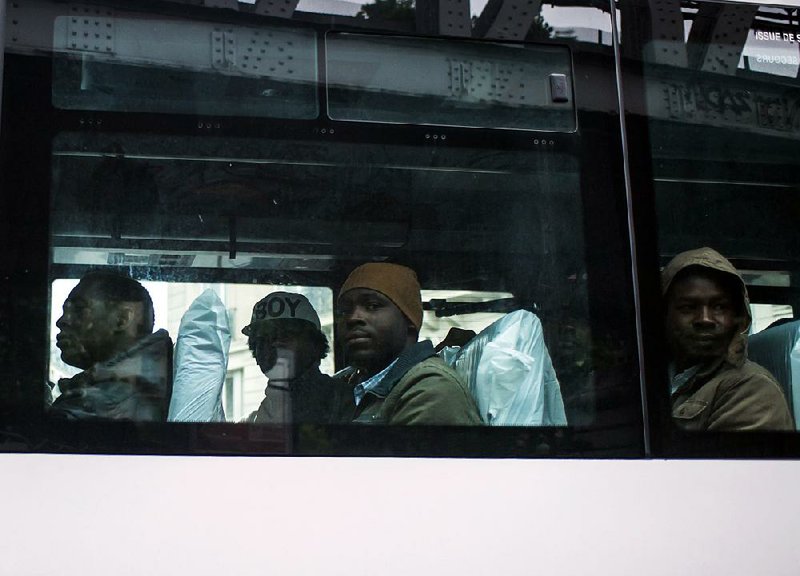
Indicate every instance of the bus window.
{"type": "Point", "coordinates": [158, 162]}
{"type": "Point", "coordinates": [463, 309]}
{"type": "Point", "coordinates": [244, 380]}
{"type": "Point", "coordinates": [765, 315]}
{"type": "Point", "coordinates": [244, 383]}
{"type": "Point", "coordinates": [449, 84]}
{"type": "Point", "coordinates": [719, 97]}
{"type": "Point", "coordinates": [113, 61]}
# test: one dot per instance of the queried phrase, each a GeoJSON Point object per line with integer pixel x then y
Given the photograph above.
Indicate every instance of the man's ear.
{"type": "Point", "coordinates": [125, 317]}
{"type": "Point", "coordinates": [413, 333]}
{"type": "Point", "coordinates": [744, 324]}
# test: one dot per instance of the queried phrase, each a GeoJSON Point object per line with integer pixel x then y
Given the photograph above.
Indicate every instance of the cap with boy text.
{"type": "Point", "coordinates": [280, 306]}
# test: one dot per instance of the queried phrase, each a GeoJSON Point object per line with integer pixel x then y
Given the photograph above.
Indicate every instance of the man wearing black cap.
{"type": "Point", "coordinates": [395, 379]}
{"type": "Point", "coordinates": [286, 341]}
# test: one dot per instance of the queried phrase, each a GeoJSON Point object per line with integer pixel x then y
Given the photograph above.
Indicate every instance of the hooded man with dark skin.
{"type": "Point", "coordinates": [395, 379]}
{"type": "Point", "coordinates": [713, 384]}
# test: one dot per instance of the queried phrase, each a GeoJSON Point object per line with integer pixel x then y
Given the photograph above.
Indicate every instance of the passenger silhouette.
{"type": "Point", "coordinates": [285, 338]}
{"type": "Point", "coordinates": [106, 329]}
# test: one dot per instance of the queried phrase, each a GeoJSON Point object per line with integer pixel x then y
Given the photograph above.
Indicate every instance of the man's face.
{"type": "Point", "coordinates": [701, 320]}
{"type": "Point", "coordinates": [373, 329]}
{"type": "Point", "coordinates": [284, 354]}
{"type": "Point", "coordinates": [86, 328]}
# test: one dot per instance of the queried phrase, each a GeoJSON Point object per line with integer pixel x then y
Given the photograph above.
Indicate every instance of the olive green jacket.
{"type": "Point", "coordinates": [730, 393]}
{"type": "Point", "coordinates": [730, 396]}
{"type": "Point", "coordinates": [419, 389]}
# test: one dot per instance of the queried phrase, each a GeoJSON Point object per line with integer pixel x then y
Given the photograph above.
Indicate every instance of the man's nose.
{"type": "Point", "coordinates": [60, 322]}
{"type": "Point", "coordinates": [354, 316]}
{"type": "Point", "coordinates": [705, 316]}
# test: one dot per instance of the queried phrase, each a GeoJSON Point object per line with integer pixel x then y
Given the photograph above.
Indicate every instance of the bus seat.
{"type": "Point", "coordinates": [778, 350]}
{"type": "Point", "coordinates": [201, 359]}
{"type": "Point", "coordinates": [509, 372]}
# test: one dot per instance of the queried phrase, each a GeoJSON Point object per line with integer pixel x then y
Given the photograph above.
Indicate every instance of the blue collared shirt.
{"type": "Point", "coordinates": [362, 388]}
{"type": "Point", "coordinates": [677, 381]}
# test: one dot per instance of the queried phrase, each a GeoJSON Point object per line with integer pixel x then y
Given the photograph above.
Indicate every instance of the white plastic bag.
{"type": "Point", "coordinates": [509, 372]}
{"type": "Point", "coordinates": [201, 360]}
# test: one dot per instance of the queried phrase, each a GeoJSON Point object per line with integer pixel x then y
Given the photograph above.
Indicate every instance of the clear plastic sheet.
{"type": "Point", "coordinates": [509, 372]}
{"type": "Point", "coordinates": [201, 359]}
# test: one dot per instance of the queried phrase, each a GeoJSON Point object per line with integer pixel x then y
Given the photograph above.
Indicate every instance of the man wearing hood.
{"type": "Point", "coordinates": [713, 385]}
{"type": "Point", "coordinates": [106, 329]}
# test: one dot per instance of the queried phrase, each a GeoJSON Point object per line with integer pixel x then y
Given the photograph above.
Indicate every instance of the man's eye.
{"type": "Point", "coordinates": [373, 305]}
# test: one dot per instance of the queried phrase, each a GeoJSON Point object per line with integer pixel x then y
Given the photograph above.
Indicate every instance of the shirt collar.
{"type": "Point", "coordinates": [678, 381]}
{"type": "Point", "coordinates": [360, 390]}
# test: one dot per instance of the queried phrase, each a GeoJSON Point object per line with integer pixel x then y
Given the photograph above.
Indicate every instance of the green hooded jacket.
{"type": "Point", "coordinates": [730, 392]}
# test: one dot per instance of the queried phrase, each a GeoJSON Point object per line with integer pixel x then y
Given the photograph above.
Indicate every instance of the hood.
{"type": "Point", "coordinates": [711, 259]}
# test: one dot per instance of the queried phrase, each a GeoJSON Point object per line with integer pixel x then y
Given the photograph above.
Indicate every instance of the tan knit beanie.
{"type": "Point", "coordinates": [398, 283]}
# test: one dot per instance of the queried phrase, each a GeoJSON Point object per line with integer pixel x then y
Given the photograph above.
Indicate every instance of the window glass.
{"type": "Point", "coordinates": [765, 315]}
{"type": "Point", "coordinates": [244, 383]}
{"type": "Point", "coordinates": [212, 182]}
{"type": "Point", "coordinates": [720, 97]}
{"type": "Point", "coordinates": [122, 63]}
{"type": "Point", "coordinates": [232, 393]}
{"type": "Point", "coordinates": [452, 83]}
{"type": "Point", "coordinates": [193, 206]}
{"type": "Point", "coordinates": [448, 310]}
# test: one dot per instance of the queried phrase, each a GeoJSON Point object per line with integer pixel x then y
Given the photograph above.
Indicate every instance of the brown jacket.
{"type": "Point", "coordinates": [730, 393]}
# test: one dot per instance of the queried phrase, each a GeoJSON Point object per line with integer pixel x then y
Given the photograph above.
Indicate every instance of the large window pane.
{"type": "Point", "coordinates": [201, 68]}
{"type": "Point", "coordinates": [449, 83]}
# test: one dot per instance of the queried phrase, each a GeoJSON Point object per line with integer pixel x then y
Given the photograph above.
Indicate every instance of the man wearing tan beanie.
{"type": "Point", "coordinates": [395, 379]}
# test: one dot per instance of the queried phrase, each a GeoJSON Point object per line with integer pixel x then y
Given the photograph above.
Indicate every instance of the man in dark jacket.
{"type": "Point", "coordinates": [713, 385]}
{"type": "Point", "coordinates": [287, 342]}
{"type": "Point", "coordinates": [395, 379]}
{"type": "Point", "coordinates": [107, 330]}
